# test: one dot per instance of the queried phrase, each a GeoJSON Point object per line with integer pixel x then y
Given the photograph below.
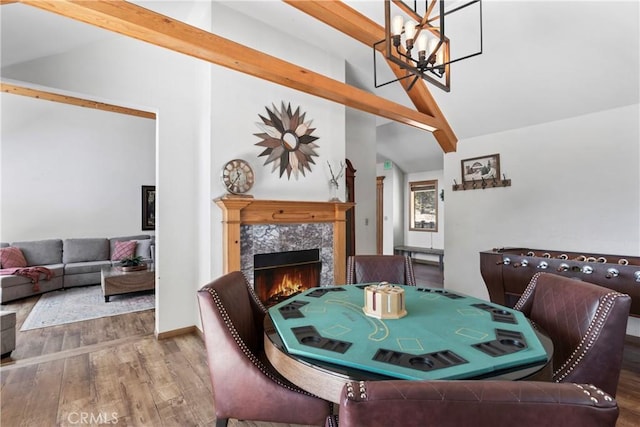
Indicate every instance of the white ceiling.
{"type": "Point", "coordinates": [542, 61]}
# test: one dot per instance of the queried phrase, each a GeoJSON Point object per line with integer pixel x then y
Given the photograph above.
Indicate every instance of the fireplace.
{"type": "Point", "coordinates": [280, 275]}
{"type": "Point", "coordinates": [251, 226]}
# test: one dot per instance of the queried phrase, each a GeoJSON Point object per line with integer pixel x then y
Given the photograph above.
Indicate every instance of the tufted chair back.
{"type": "Point", "coordinates": [245, 385]}
{"type": "Point", "coordinates": [396, 269]}
{"type": "Point", "coordinates": [587, 324]}
{"type": "Point", "coordinates": [398, 403]}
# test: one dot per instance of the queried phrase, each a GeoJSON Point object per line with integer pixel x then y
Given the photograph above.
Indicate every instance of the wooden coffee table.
{"type": "Point", "coordinates": [117, 282]}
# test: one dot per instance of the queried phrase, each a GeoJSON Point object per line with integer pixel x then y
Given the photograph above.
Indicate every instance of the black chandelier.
{"type": "Point", "coordinates": [420, 45]}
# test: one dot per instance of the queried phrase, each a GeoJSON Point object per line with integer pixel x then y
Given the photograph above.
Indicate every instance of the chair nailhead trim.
{"type": "Point", "coordinates": [408, 268]}
{"type": "Point", "coordinates": [362, 390]}
{"type": "Point", "coordinates": [527, 292]}
{"type": "Point", "coordinates": [589, 338]}
{"type": "Point", "coordinates": [245, 349]}
{"type": "Point", "coordinates": [596, 390]}
{"type": "Point", "coordinates": [254, 296]}
{"type": "Point", "coordinates": [350, 268]}
{"type": "Point", "coordinates": [350, 390]}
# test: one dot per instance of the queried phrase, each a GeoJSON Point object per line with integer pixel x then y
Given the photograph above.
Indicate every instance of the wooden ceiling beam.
{"type": "Point", "coordinates": [140, 23]}
{"type": "Point", "coordinates": [352, 23]}
{"type": "Point", "coordinates": [71, 100]}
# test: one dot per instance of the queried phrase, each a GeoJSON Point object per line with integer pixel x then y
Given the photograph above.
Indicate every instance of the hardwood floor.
{"type": "Point", "coordinates": [428, 275]}
{"type": "Point", "coordinates": [114, 370]}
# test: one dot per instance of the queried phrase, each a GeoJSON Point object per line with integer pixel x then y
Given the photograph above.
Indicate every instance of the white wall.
{"type": "Point", "coordinates": [238, 99]}
{"type": "Point", "coordinates": [205, 116]}
{"type": "Point", "coordinates": [398, 210]}
{"type": "Point", "coordinates": [69, 171]}
{"type": "Point", "coordinates": [425, 239]}
{"type": "Point", "coordinates": [575, 187]}
{"type": "Point", "coordinates": [393, 215]}
{"type": "Point", "coordinates": [361, 144]}
{"type": "Point", "coordinates": [127, 72]}
{"type": "Point", "coordinates": [575, 182]}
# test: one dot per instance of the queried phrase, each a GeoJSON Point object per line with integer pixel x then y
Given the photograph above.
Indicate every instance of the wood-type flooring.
{"type": "Point", "coordinates": [113, 370]}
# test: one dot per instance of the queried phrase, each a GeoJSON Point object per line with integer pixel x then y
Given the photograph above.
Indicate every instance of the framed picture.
{"type": "Point", "coordinates": [148, 207]}
{"type": "Point", "coordinates": [477, 168]}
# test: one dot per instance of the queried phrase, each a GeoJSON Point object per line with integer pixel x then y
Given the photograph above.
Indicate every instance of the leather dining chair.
{"type": "Point", "coordinates": [245, 385]}
{"type": "Point", "coordinates": [400, 403]}
{"type": "Point", "coordinates": [395, 269]}
{"type": "Point", "coordinates": [587, 324]}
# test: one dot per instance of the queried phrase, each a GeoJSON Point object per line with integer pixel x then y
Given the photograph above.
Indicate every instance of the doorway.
{"type": "Point", "coordinates": [379, 213]}
{"type": "Point", "coordinates": [350, 178]}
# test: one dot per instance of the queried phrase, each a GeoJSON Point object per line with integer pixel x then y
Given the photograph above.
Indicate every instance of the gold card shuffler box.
{"type": "Point", "coordinates": [384, 301]}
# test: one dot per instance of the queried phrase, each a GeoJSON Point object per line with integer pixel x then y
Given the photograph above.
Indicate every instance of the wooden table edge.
{"type": "Point", "coordinates": [326, 385]}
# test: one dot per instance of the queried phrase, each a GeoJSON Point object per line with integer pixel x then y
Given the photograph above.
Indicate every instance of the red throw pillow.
{"type": "Point", "coordinates": [123, 249]}
{"type": "Point", "coordinates": [12, 257]}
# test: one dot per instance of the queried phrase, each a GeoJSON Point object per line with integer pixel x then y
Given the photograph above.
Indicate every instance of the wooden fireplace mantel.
{"type": "Point", "coordinates": [237, 211]}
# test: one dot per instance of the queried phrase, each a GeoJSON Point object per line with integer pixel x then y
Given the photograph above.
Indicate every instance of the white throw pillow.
{"type": "Point", "coordinates": [143, 248]}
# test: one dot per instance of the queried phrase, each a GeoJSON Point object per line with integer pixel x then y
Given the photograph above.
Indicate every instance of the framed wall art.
{"type": "Point", "coordinates": [479, 168]}
{"type": "Point", "coordinates": [288, 141]}
{"type": "Point", "coordinates": [148, 207]}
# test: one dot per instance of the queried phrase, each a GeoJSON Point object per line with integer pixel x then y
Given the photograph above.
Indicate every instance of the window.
{"type": "Point", "coordinates": [423, 209]}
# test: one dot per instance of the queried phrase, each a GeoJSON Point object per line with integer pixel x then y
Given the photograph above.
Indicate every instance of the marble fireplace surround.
{"type": "Point", "coordinates": [252, 226]}
{"type": "Point", "coordinates": [274, 238]}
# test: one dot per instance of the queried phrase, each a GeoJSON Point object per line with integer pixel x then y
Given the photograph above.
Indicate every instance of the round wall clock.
{"type": "Point", "coordinates": [237, 176]}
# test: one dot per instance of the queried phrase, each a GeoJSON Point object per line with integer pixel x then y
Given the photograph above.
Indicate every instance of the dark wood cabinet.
{"type": "Point", "coordinates": [350, 183]}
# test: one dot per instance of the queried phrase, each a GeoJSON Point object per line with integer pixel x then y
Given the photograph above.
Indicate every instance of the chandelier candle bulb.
{"type": "Point", "coordinates": [421, 43]}
{"type": "Point", "coordinates": [396, 25]}
{"type": "Point", "coordinates": [409, 33]}
{"type": "Point", "coordinates": [433, 46]}
{"type": "Point", "coordinates": [433, 58]}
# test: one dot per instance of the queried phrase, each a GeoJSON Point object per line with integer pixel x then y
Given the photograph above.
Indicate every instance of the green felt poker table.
{"type": "Point", "coordinates": [323, 335]}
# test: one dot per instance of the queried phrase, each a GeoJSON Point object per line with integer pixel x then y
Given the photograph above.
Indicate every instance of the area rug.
{"type": "Point", "coordinates": [83, 303]}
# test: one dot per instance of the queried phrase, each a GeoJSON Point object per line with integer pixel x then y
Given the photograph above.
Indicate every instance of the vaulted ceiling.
{"type": "Point", "coordinates": [542, 61]}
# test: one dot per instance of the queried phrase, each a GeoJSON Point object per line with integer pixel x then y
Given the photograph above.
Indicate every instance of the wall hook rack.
{"type": "Point", "coordinates": [482, 183]}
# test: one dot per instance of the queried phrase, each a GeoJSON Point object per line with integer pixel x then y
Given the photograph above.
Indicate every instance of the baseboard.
{"type": "Point", "coordinates": [632, 339]}
{"type": "Point", "coordinates": [176, 332]}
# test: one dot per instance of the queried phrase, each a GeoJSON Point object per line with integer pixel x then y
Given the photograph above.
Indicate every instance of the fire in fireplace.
{"type": "Point", "coordinates": [280, 275]}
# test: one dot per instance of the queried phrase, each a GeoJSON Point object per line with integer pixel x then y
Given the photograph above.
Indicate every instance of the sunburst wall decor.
{"type": "Point", "coordinates": [288, 140]}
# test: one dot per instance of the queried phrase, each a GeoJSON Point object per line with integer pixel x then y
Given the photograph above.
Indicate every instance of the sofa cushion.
{"type": "Point", "coordinates": [41, 252]}
{"type": "Point", "coordinates": [143, 248]}
{"type": "Point", "coordinates": [84, 250]}
{"type": "Point", "coordinates": [86, 267]}
{"type": "Point", "coordinates": [12, 258]}
{"type": "Point", "coordinates": [57, 270]}
{"type": "Point", "coordinates": [123, 250]}
{"type": "Point", "coordinates": [113, 240]}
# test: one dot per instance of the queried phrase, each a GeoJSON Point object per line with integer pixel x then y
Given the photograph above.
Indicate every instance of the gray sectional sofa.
{"type": "Point", "coordinates": [72, 262]}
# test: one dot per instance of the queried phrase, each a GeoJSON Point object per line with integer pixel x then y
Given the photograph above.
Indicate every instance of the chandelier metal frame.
{"type": "Point", "coordinates": [430, 62]}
